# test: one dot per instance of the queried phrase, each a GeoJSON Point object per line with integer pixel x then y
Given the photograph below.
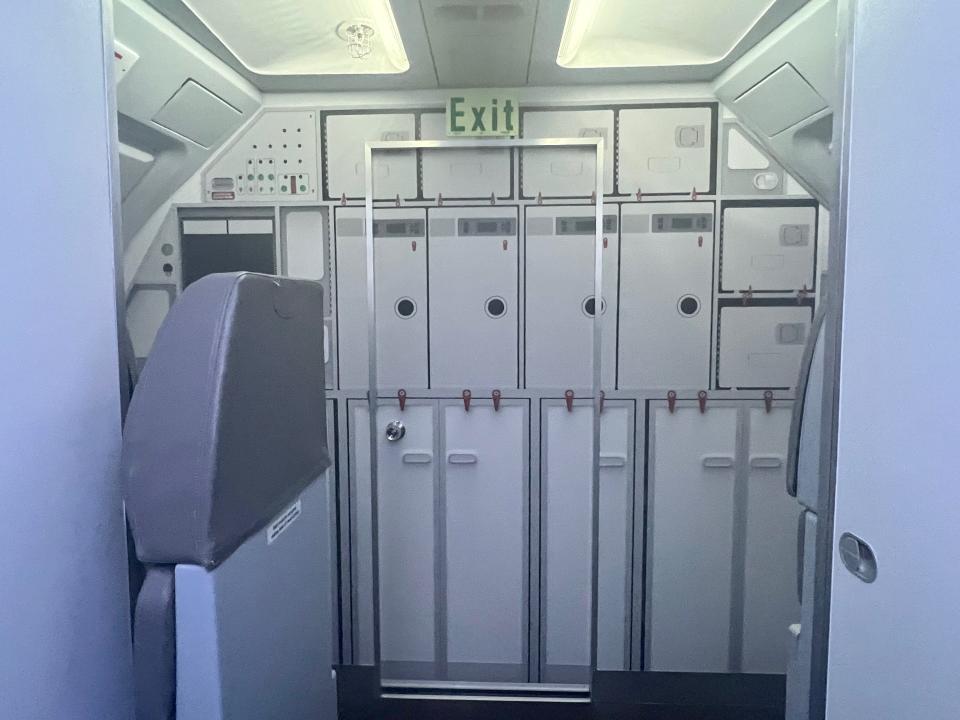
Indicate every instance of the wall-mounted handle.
{"type": "Point", "coordinates": [858, 557]}
{"type": "Point", "coordinates": [718, 461]}
{"type": "Point", "coordinates": [612, 460]}
{"type": "Point", "coordinates": [462, 457]}
{"type": "Point", "coordinates": [417, 457]}
{"type": "Point", "coordinates": [766, 462]}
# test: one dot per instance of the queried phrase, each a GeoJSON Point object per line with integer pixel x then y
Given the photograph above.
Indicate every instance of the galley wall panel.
{"type": "Point", "coordinates": [474, 314]}
{"type": "Point", "coordinates": [566, 172]}
{"type": "Point", "coordinates": [666, 293]}
{"type": "Point", "coordinates": [394, 171]}
{"type": "Point", "coordinates": [560, 303]}
{"type": "Point", "coordinates": [400, 261]}
{"type": "Point", "coordinates": [667, 150]}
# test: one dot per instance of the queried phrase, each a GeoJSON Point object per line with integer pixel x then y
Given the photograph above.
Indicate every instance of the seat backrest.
{"type": "Point", "coordinates": [228, 422]}
{"type": "Point", "coordinates": [226, 431]}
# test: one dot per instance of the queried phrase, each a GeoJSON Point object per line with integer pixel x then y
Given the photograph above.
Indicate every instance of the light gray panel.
{"type": "Point", "coordinates": [304, 242]}
{"type": "Point", "coordinates": [780, 100]}
{"type": "Point", "coordinates": [566, 172]}
{"type": "Point", "coordinates": [394, 172]}
{"type": "Point", "coordinates": [760, 347]}
{"type": "Point", "coordinates": [748, 170]}
{"type": "Point", "coordinates": [406, 531]}
{"type": "Point", "coordinates": [567, 531]}
{"type": "Point", "coordinates": [768, 248]}
{"type": "Point", "coordinates": [559, 281]}
{"type": "Point", "coordinates": [253, 635]}
{"type": "Point", "coordinates": [693, 459]}
{"type": "Point", "coordinates": [665, 302]}
{"type": "Point", "coordinates": [400, 273]}
{"type": "Point", "coordinates": [664, 150]}
{"type": "Point", "coordinates": [486, 485]}
{"type": "Point", "coordinates": [770, 565]}
{"type": "Point", "coordinates": [473, 173]}
{"type": "Point", "coordinates": [473, 317]}
{"type": "Point", "coordinates": [197, 114]}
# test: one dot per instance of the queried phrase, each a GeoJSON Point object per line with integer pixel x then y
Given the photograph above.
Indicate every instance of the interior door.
{"type": "Point", "coordinates": [894, 642]}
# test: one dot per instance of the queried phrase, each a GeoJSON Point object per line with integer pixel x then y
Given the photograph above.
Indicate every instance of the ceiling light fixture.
{"type": "Point", "coordinates": [302, 37]}
{"type": "Point", "coordinates": [654, 33]}
{"type": "Point", "coordinates": [358, 35]}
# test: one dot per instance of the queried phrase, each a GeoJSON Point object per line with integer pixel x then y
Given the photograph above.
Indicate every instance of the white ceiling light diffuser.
{"type": "Point", "coordinates": [655, 33]}
{"type": "Point", "coordinates": [307, 37]}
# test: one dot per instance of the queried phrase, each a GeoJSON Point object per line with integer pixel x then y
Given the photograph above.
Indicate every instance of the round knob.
{"type": "Point", "coordinates": [395, 431]}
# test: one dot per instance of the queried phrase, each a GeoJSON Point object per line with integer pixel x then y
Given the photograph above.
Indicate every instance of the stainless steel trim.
{"type": "Point", "coordinates": [372, 395]}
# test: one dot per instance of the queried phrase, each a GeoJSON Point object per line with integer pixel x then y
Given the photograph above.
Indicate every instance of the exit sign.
{"type": "Point", "coordinates": [482, 114]}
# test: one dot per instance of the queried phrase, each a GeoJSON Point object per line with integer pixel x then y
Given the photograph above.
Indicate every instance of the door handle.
{"type": "Point", "coordinates": [858, 557]}
{"type": "Point", "coordinates": [462, 457]}
{"type": "Point", "coordinates": [612, 460]}
{"type": "Point", "coordinates": [766, 462]}
{"type": "Point", "coordinates": [416, 457]}
{"type": "Point", "coordinates": [718, 461]}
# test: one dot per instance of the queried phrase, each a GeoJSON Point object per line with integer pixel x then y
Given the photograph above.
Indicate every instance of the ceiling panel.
{"type": "Point", "coordinates": [480, 42]}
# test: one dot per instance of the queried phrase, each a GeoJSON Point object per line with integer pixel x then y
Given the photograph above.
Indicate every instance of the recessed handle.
{"type": "Point", "coordinates": [766, 462]}
{"type": "Point", "coordinates": [718, 461]}
{"type": "Point", "coordinates": [858, 557]}
{"type": "Point", "coordinates": [462, 457]}
{"type": "Point", "coordinates": [417, 457]}
{"type": "Point", "coordinates": [612, 460]}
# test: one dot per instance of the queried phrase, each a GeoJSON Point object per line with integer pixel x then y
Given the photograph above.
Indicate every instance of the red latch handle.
{"type": "Point", "coordinates": [672, 400]}
{"type": "Point", "coordinates": [700, 241]}
{"type": "Point", "coordinates": [439, 199]}
{"type": "Point", "coordinates": [413, 245]}
{"type": "Point", "coordinates": [493, 199]}
{"type": "Point", "coordinates": [505, 244]}
{"type": "Point", "coordinates": [603, 396]}
{"type": "Point", "coordinates": [467, 395]}
{"type": "Point", "coordinates": [639, 195]}
{"type": "Point", "coordinates": [568, 396]}
{"type": "Point", "coordinates": [702, 399]}
{"type": "Point", "coordinates": [768, 399]}
{"type": "Point", "coordinates": [496, 394]}
{"type": "Point", "coordinates": [343, 199]}
{"type": "Point", "coordinates": [539, 198]}
{"type": "Point", "coordinates": [693, 193]}
{"type": "Point", "coordinates": [402, 398]}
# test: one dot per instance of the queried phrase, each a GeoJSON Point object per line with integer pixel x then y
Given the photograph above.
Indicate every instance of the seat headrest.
{"type": "Point", "coordinates": [228, 421]}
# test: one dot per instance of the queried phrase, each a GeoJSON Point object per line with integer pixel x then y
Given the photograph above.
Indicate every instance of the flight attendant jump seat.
{"type": "Point", "coordinates": [226, 490]}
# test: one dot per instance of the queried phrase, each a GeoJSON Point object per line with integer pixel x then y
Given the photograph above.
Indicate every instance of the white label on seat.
{"type": "Point", "coordinates": [283, 521]}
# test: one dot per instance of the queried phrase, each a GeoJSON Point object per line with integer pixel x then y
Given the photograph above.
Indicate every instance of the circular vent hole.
{"type": "Point", "coordinates": [405, 307]}
{"type": "Point", "coordinates": [689, 305]}
{"type": "Point", "coordinates": [495, 307]}
{"type": "Point", "coordinates": [589, 306]}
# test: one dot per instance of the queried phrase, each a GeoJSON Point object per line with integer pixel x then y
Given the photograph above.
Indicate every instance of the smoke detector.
{"type": "Point", "coordinates": [358, 35]}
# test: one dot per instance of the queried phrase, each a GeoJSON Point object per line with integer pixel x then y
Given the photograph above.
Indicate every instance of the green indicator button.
{"type": "Point", "coordinates": [303, 188]}
{"type": "Point", "coordinates": [250, 176]}
{"type": "Point", "coordinates": [260, 176]}
{"type": "Point", "coordinates": [283, 188]}
{"type": "Point", "coordinates": [270, 176]}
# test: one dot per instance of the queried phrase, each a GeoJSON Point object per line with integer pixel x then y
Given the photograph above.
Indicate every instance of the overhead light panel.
{"type": "Point", "coordinates": [307, 37]}
{"type": "Point", "coordinates": [655, 33]}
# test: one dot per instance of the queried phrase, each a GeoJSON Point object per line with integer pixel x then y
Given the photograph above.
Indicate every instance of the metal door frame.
{"type": "Point", "coordinates": [370, 148]}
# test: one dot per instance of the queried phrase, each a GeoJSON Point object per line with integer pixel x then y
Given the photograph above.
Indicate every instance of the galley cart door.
{"type": "Point", "coordinates": [485, 485]}
{"type": "Point", "coordinates": [473, 291]}
{"type": "Point", "coordinates": [566, 538]}
{"type": "Point", "coordinates": [770, 603]}
{"type": "Point", "coordinates": [401, 282]}
{"type": "Point", "coordinates": [406, 477]}
{"type": "Point", "coordinates": [666, 270]}
{"type": "Point", "coordinates": [690, 521]}
{"type": "Point", "coordinates": [761, 344]}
